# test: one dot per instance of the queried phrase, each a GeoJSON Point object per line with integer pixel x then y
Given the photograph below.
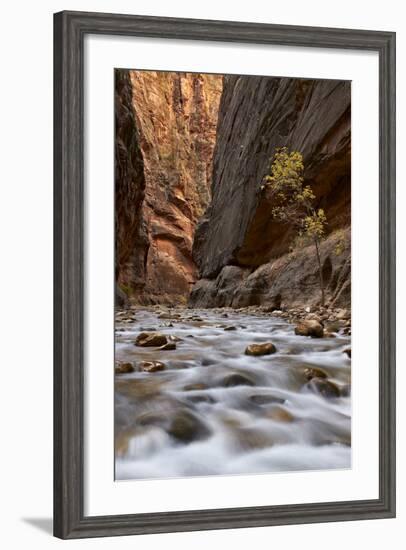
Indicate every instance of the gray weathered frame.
{"type": "Point", "coordinates": [69, 31]}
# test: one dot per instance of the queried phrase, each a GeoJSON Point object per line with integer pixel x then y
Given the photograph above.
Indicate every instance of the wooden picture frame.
{"type": "Point", "coordinates": [70, 30]}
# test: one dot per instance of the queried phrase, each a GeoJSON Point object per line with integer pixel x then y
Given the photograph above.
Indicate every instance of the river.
{"type": "Point", "coordinates": [215, 410]}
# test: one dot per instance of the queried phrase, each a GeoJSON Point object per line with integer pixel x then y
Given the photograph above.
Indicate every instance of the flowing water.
{"type": "Point", "coordinates": [215, 410]}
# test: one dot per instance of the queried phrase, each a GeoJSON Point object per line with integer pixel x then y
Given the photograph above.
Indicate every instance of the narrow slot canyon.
{"type": "Point", "coordinates": [192, 220]}
{"type": "Point", "coordinates": [232, 329]}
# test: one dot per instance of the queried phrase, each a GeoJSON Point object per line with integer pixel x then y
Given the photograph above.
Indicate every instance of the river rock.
{"type": "Point", "coordinates": [186, 427]}
{"type": "Point", "coordinates": [252, 439]}
{"type": "Point", "coordinates": [230, 328]}
{"type": "Point", "coordinates": [237, 379]}
{"type": "Point", "coordinates": [152, 418]}
{"type": "Point", "coordinates": [314, 372]}
{"type": "Point", "coordinates": [323, 387]}
{"type": "Point", "coordinates": [151, 366]}
{"type": "Point", "coordinates": [342, 314]}
{"type": "Point", "coordinates": [347, 351]}
{"type": "Point", "coordinates": [122, 367]}
{"type": "Point", "coordinates": [147, 339]}
{"type": "Point", "coordinates": [169, 346]}
{"type": "Point", "coordinates": [309, 328]}
{"type": "Point", "coordinates": [260, 349]}
{"type": "Point", "coordinates": [280, 414]}
{"type": "Point", "coordinates": [174, 338]}
{"type": "Point", "coordinates": [265, 399]}
{"type": "Point", "coordinates": [313, 317]}
{"type": "Point", "coordinates": [169, 316]}
{"type": "Point", "coordinates": [201, 398]}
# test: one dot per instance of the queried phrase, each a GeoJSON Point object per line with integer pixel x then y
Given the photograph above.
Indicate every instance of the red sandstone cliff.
{"type": "Point", "coordinates": [175, 118]}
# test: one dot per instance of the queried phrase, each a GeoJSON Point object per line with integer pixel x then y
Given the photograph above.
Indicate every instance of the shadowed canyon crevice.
{"type": "Point", "coordinates": [192, 151]}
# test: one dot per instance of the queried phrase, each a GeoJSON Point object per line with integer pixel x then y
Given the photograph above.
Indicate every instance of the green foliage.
{"type": "Point", "coordinates": [314, 224]}
{"type": "Point", "coordinates": [286, 172]}
{"type": "Point", "coordinates": [293, 202]}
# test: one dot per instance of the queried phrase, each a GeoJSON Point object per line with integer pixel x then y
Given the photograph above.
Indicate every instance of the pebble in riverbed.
{"type": "Point", "coordinates": [147, 339]}
{"type": "Point", "coordinates": [310, 327]}
{"type": "Point", "coordinates": [314, 372]}
{"type": "Point", "coordinates": [265, 399]}
{"type": "Point", "coordinates": [260, 349]}
{"type": "Point", "coordinates": [186, 427]}
{"type": "Point", "coordinates": [323, 387]}
{"type": "Point", "coordinates": [122, 367]}
{"type": "Point", "coordinates": [280, 414]}
{"type": "Point", "coordinates": [237, 379]}
{"type": "Point", "coordinates": [151, 366]}
{"type": "Point", "coordinates": [169, 346]}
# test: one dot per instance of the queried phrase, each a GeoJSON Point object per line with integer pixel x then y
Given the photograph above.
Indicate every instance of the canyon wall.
{"type": "Point", "coordinates": [242, 254]}
{"type": "Point", "coordinates": [131, 242]}
{"type": "Point", "coordinates": [174, 119]}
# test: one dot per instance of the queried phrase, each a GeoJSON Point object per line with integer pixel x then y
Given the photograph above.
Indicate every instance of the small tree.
{"type": "Point", "coordinates": [294, 202]}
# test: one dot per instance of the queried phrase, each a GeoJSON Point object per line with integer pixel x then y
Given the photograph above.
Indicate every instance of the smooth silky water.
{"type": "Point", "coordinates": [264, 420]}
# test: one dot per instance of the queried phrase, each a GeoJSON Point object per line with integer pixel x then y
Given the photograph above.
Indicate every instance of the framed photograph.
{"type": "Point", "coordinates": [224, 274]}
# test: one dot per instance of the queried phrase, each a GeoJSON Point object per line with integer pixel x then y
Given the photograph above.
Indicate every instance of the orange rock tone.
{"type": "Point", "coordinates": [175, 119]}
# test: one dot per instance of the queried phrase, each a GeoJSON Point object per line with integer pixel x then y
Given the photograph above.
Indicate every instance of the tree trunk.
{"type": "Point", "coordinates": [316, 244]}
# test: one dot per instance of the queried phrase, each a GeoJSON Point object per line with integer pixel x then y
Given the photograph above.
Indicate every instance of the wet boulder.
{"type": "Point", "coordinates": [237, 379]}
{"type": "Point", "coordinates": [169, 346]}
{"type": "Point", "coordinates": [265, 399]}
{"type": "Point", "coordinates": [201, 398]}
{"type": "Point", "coordinates": [280, 414]}
{"type": "Point", "coordinates": [342, 314]}
{"type": "Point", "coordinates": [347, 351]}
{"type": "Point", "coordinates": [314, 372]}
{"type": "Point", "coordinates": [168, 315]}
{"type": "Point", "coordinates": [323, 387]}
{"type": "Point", "coordinates": [207, 361]}
{"type": "Point", "coordinates": [260, 349]}
{"type": "Point", "coordinates": [187, 427]}
{"type": "Point", "coordinates": [122, 367]}
{"type": "Point", "coordinates": [310, 327]}
{"type": "Point", "coordinates": [174, 338]}
{"type": "Point", "coordinates": [148, 339]}
{"type": "Point", "coordinates": [251, 439]}
{"type": "Point", "coordinates": [151, 366]}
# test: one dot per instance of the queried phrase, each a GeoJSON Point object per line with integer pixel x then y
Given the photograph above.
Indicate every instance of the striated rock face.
{"type": "Point", "coordinates": [257, 115]}
{"type": "Point", "coordinates": [165, 134]}
{"type": "Point", "coordinates": [176, 119]}
{"type": "Point", "coordinates": [288, 281]}
{"type": "Point", "coordinates": [242, 254]}
{"type": "Point", "coordinates": [130, 234]}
